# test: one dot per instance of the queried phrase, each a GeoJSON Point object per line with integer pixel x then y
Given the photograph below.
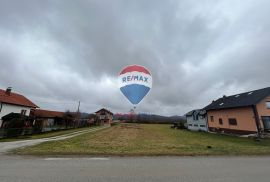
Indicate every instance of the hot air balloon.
{"type": "Point", "coordinates": [135, 83]}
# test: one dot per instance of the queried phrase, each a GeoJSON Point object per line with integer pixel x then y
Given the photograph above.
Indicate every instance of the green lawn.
{"type": "Point", "coordinates": [150, 140]}
{"type": "Point", "coordinates": [43, 135]}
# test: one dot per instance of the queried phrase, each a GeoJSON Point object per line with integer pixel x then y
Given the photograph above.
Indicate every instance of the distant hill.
{"type": "Point", "coordinates": [149, 118]}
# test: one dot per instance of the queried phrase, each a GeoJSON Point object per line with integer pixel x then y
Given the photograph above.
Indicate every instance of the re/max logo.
{"type": "Point", "coordinates": [135, 78]}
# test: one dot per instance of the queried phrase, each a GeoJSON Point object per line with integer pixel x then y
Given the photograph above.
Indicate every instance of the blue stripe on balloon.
{"type": "Point", "coordinates": [135, 92]}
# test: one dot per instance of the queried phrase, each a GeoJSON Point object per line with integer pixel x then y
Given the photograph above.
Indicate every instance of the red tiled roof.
{"type": "Point", "coordinates": [47, 114]}
{"type": "Point", "coordinates": [103, 109]}
{"type": "Point", "coordinates": [15, 99]}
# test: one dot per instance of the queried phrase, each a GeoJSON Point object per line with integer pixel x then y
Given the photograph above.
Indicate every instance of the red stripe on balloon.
{"type": "Point", "coordinates": [135, 68]}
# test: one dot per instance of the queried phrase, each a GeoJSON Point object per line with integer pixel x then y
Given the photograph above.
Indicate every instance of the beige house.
{"type": "Point", "coordinates": [241, 113]}
{"type": "Point", "coordinates": [104, 117]}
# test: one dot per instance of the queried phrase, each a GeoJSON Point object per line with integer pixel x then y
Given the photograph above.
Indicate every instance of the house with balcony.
{"type": "Point", "coordinates": [104, 117]}
{"type": "Point", "coordinates": [243, 113]}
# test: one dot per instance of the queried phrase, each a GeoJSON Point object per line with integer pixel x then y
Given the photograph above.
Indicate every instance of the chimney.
{"type": "Point", "coordinates": [224, 96]}
{"type": "Point", "coordinates": [8, 91]}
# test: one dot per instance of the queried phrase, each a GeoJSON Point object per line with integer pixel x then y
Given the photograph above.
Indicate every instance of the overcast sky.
{"type": "Point", "coordinates": [59, 52]}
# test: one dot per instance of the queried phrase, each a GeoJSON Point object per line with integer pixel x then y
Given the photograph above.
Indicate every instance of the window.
{"type": "Point", "coordinates": [202, 126]}
{"type": "Point", "coordinates": [196, 125]}
{"type": "Point", "coordinates": [212, 118]}
{"type": "Point", "coordinates": [23, 112]}
{"type": "Point", "coordinates": [102, 112]}
{"type": "Point", "coordinates": [268, 104]}
{"type": "Point", "coordinates": [266, 122]}
{"type": "Point", "coordinates": [190, 125]}
{"type": "Point", "coordinates": [195, 117]}
{"type": "Point", "coordinates": [220, 121]}
{"type": "Point", "coordinates": [232, 121]}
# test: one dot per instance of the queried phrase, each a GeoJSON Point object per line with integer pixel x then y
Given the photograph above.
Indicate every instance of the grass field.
{"type": "Point", "coordinates": [42, 135]}
{"type": "Point", "coordinates": [150, 140]}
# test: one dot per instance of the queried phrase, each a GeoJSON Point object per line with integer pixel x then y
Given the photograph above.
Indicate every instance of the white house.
{"type": "Point", "coordinates": [197, 120]}
{"type": "Point", "coordinates": [13, 102]}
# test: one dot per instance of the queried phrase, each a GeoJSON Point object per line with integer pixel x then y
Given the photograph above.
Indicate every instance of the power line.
{"type": "Point", "coordinates": [55, 102]}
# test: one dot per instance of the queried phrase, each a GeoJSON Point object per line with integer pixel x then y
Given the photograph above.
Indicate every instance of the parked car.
{"type": "Point", "coordinates": [178, 125]}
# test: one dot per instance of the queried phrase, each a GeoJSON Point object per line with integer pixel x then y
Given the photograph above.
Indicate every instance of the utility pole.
{"type": "Point", "coordinates": [79, 107]}
{"type": "Point", "coordinates": [78, 114]}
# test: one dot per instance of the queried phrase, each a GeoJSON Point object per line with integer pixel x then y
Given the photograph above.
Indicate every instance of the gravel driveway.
{"type": "Point", "coordinates": [7, 146]}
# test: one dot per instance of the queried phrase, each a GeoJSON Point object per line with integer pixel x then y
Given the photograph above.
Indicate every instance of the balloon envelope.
{"type": "Point", "coordinates": [135, 82]}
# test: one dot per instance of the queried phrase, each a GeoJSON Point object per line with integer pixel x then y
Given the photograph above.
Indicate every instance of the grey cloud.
{"type": "Point", "coordinates": [60, 52]}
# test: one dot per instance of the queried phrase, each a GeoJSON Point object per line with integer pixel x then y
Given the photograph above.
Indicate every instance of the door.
{"type": "Point", "coordinates": [266, 122]}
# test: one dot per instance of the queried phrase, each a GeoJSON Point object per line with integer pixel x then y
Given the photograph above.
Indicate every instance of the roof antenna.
{"type": "Point", "coordinates": [8, 91]}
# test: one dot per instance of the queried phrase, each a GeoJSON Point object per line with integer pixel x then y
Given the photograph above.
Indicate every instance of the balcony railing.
{"type": "Point", "coordinates": [103, 117]}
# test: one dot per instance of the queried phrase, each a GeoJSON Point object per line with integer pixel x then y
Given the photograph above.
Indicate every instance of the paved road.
{"type": "Point", "coordinates": [154, 169]}
{"type": "Point", "coordinates": [6, 146]}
